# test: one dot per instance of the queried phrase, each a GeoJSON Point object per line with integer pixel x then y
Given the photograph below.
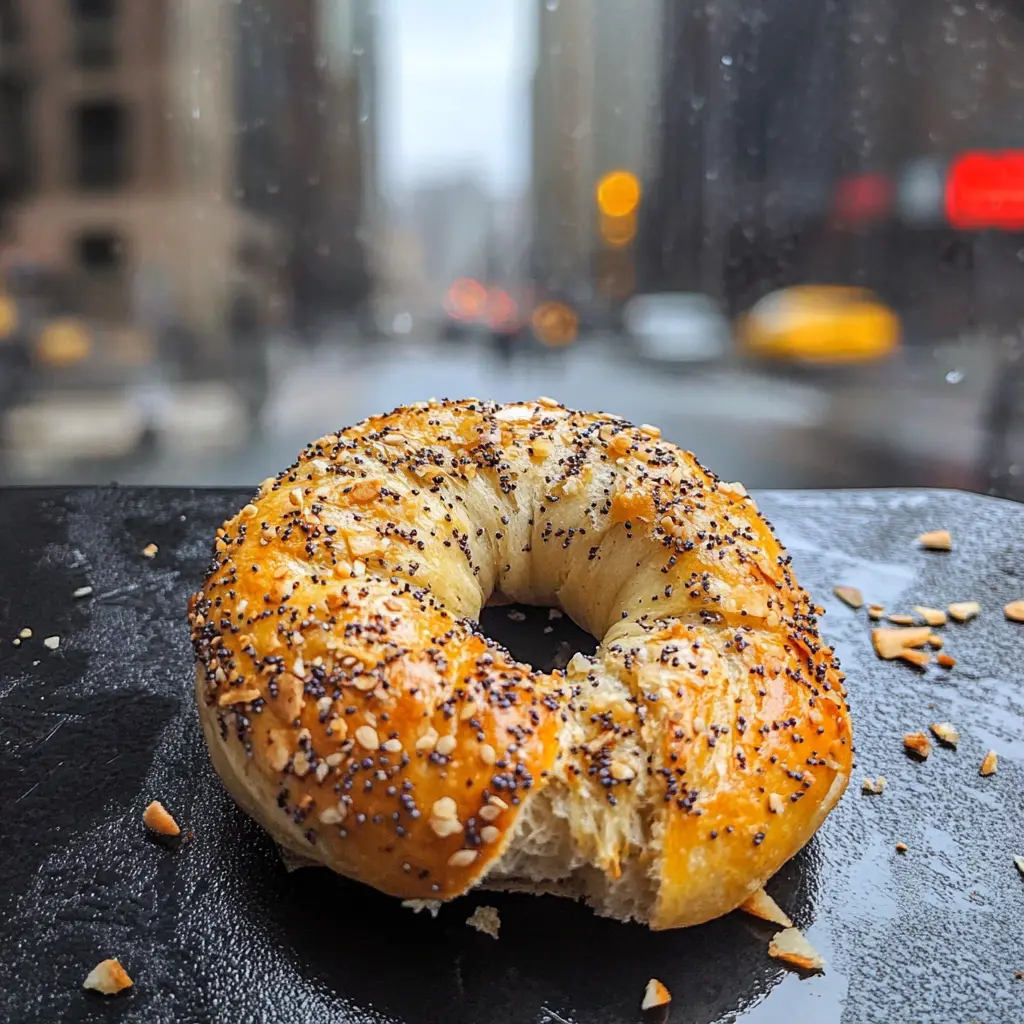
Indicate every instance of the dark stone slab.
{"type": "Point", "coordinates": [217, 930]}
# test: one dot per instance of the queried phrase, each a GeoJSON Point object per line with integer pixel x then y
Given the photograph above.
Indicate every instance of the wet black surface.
{"type": "Point", "coordinates": [217, 930]}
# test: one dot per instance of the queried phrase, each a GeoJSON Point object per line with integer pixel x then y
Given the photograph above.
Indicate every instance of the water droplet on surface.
{"type": "Point", "coordinates": [195, 113]}
{"type": "Point", "coordinates": [954, 376]}
{"type": "Point", "coordinates": [551, 5]}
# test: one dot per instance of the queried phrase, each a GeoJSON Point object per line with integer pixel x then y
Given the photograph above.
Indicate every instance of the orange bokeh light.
{"type": "Point", "coordinates": [618, 194]}
{"type": "Point", "coordinates": [467, 299]}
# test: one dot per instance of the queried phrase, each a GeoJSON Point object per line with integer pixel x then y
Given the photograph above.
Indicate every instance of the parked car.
{"type": "Point", "coordinates": [677, 328]}
{"type": "Point", "coordinates": [820, 325]}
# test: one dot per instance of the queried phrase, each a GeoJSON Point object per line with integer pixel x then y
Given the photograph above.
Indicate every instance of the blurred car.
{"type": "Point", "coordinates": [821, 325]}
{"type": "Point", "coordinates": [677, 328]}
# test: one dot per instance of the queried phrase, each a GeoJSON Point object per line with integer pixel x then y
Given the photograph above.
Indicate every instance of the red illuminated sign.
{"type": "Point", "coordinates": [986, 190]}
{"type": "Point", "coordinates": [863, 198]}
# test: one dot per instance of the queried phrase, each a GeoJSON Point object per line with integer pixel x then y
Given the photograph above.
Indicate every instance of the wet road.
{"type": "Point", "coordinates": [899, 425]}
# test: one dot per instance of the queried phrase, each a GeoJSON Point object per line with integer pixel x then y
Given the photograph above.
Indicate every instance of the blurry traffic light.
{"type": "Point", "coordinates": [618, 194]}
{"type": "Point", "coordinates": [554, 324]}
{"type": "Point", "coordinates": [617, 231]}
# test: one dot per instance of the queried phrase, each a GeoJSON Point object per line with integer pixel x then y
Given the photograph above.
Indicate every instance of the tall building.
{"type": "Point", "coordinates": [595, 90]}
{"type": "Point", "coordinates": [331, 178]}
{"type": "Point", "coordinates": [189, 164]}
{"type": "Point", "coordinates": [126, 192]}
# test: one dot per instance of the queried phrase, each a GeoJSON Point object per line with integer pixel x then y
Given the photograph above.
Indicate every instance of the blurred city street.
{"type": "Point", "coordinates": [917, 420]}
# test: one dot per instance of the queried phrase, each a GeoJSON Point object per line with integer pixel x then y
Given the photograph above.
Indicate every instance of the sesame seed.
{"type": "Point", "coordinates": [490, 834]}
{"type": "Point", "coordinates": [444, 827]}
{"type": "Point", "coordinates": [333, 815]}
{"type": "Point", "coordinates": [300, 764]}
{"type": "Point", "coordinates": [392, 746]}
{"type": "Point", "coordinates": [445, 745]}
{"type": "Point", "coordinates": [82, 592]}
{"type": "Point", "coordinates": [622, 772]}
{"type": "Point", "coordinates": [776, 803]}
{"type": "Point", "coordinates": [462, 858]}
{"type": "Point", "coordinates": [489, 812]}
{"type": "Point", "coordinates": [444, 807]}
{"type": "Point", "coordinates": [366, 736]}
{"type": "Point", "coordinates": [427, 741]}
{"type": "Point", "coordinates": [487, 754]}
{"type": "Point", "coordinates": [295, 496]}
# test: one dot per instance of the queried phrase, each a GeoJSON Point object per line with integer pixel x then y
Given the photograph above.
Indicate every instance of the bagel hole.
{"type": "Point", "coordinates": [544, 638]}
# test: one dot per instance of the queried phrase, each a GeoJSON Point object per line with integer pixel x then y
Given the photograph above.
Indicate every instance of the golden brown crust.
{"type": "Point", "coordinates": [351, 706]}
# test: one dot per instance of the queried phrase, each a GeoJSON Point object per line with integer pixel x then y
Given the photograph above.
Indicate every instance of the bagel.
{"type": "Point", "coordinates": [352, 707]}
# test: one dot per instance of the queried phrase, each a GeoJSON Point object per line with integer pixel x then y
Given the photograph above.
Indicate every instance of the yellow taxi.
{"type": "Point", "coordinates": [822, 325]}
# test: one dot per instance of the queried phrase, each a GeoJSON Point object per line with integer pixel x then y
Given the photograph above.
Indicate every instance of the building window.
{"type": "Point", "coordinates": [99, 252]}
{"type": "Point", "coordinates": [15, 154]}
{"type": "Point", "coordinates": [95, 33]}
{"type": "Point", "coordinates": [100, 257]}
{"type": "Point", "coordinates": [101, 140]}
{"type": "Point", "coordinates": [10, 22]}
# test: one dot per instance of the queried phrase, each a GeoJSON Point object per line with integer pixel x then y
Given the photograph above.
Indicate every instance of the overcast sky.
{"type": "Point", "coordinates": [455, 91]}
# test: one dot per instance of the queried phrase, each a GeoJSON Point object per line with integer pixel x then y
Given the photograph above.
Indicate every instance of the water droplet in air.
{"type": "Point", "coordinates": [195, 113]}
{"type": "Point", "coordinates": [727, 60]}
{"type": "Point", "coordinates": [551, 5]}
{"type": "Point", "coordinates": [954, 376]}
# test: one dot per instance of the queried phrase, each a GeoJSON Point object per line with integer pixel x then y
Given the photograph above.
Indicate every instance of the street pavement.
{"type": "Point", "coordinates": [914, 423]}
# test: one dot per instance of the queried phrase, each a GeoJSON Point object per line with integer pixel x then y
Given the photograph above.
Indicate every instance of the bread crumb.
{"type": "Point", "coordinates": [990, 763]}
{"type": "Point", "coordinates": [918, 743]}
{"type": "Point", "coordinates": [901, 619]}
{"type": "Point", "coordinates": [891, 643]}
{"type": "Point", "coordinates": [555, 613]}
{"type": "Point", "coordinates": [158, 818]}
{"type": "Point", "coordinates": [875, 611]}
{"type": "Point", "coordinates": [849, 595]}
{"type": "Point", "coordinates": [1019, 861]}
{"type": "Point", "coordinates": [946, 660]}
{"type": "Point", "coordinates": [936, 540]}
{"type": "Point", "coordinates": [82, 592]}
{"type": "Point", "coordinates": [108, 977]}
{"type": "Point", "coordinates": [149, 551]}
{"type": "Point", "coordinates": [876, 786]}
{"type": "Point", "coordinates": [945, 732]}
{"type": "Point", "coordinates": [920, 659]}
{"type": "Point", "coordinates": [432, 907]}
{"type": "Point", "coordinates": [25, 633]}
{"type": "Point", "coordinates": [52, 642]}
{"type": "Point", "coordinates": [902, 847]}
{"type": "Point", "coordinates": [516, 615]}
{"type": "Point", "coordinates": [791, 947]}
{"type": "Point", "coordinates": [933, 616]}
{"type": "Point", "coordinates": [962, 611]}
{"type": "Point", "coordinates": [486, 920]}
{"type": "Point", "coordinates": [935, 641]}
{"type": "Point", "coordinates": [655, 994]}
{"type": "Point", "coordinates": [16, 641]}
{"type": "Point", "coordinates": [1014, 611]}
{"type": "Point", "coordinates": [760, 904]}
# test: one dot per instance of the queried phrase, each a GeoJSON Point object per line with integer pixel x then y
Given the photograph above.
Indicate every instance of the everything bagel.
{"type": "Point", "coordinates": [352, 707]}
